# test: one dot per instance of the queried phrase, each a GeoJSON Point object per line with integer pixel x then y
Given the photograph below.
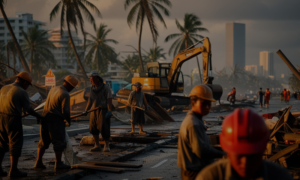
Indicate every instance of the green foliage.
{"type": "Point", "coordinates": [188, 34]}
{"type": "Point", "coordinates": [154, 54]}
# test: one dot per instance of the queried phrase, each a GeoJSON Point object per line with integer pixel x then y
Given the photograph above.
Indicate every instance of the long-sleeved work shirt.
{"type": "Point", "coordinates": [13, 99]}
{"type": "Point", "coordinates": [98, 97]}
{"type": "Point", "coordinates": [222, 170]}
{"type": "Point", "coordinates": [194, 149]}
{"type": "Point", "coordinates": [58, 103]}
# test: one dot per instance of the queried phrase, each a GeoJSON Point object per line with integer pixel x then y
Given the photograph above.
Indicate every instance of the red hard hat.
{"type": "Point", "coordinates": [244, 132]}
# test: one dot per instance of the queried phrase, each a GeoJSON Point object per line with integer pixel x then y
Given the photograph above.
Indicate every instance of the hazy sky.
{"type": "Point", "coordinates": [270, 25]}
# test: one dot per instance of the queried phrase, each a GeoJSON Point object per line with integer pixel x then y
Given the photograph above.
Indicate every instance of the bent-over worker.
{"type": "Point", "coordinates": [267, 97]}
{"type": "Point", "coordinates": [138, 103]}
{"type": "Point", "coordinates": [100, 96]}
{"type": "Point", "coordinates": [56, 112]}
{"type": "Point", "coordinates": [14, 99]}
{"type": "Point", "coordinates": [231, 96]}
{"type": "Point", "coordinates": [244, 137]}
{"type": "Point", "coordinates": [194, 149]}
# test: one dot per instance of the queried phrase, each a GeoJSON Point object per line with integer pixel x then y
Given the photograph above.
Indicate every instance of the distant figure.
{"type": "Point", "coordinates": [260, 95]}
{"type": "Point", "coordinates": [295, 95]}
{"type": "Point", "coordinates": [288, 95]}
{"type": "Point", "coordinates": [281, 96]}
{"type": "Point", "coordinates": [267, 97]}
{"type": "Point", "coordinates": [231, 96]}
{"type": "Point", "coordinates": [285, 95]}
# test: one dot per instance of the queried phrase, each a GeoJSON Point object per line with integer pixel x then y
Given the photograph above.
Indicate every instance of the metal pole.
{"type": "Point", "coordinates": [289, 64]}
{"type": "Point", "coordinates": [199, 69]}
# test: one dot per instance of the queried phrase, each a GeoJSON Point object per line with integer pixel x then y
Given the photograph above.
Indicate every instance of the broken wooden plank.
{"type": "Point", "coordinates": [98, 168]}
{"type": "Point", "coordinates": [284, 152]}
{"type": "Point", "coordinates": [114, 164]}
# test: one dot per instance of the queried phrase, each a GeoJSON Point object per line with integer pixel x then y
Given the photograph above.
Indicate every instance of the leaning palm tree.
{"type": "Point", "coordinates": [154, 54]}
{"type": "Point", "coordinates": [99, 49]}
{"type": "Point", "coordinates": [37, 46]}
{"type": "Point", "coordinates": [188, 33]}
{"type": "Point", "coordinates": [21, 56]}
{"type": "Point", "coordinates": [146, 9]}
{"type": "Point", "coordinates": [71, 14]}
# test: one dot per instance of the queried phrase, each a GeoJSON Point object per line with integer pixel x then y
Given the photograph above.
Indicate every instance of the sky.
{"type": "Point", "coordinates": [270, 25]}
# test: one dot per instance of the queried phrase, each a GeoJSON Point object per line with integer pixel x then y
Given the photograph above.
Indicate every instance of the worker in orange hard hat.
{"type": "Point", "coordinates": [194, 149]}
{"type": "Point", "coordinates": [13, 100]}
{"type": "Point", "coordinates": [231, 96]}
{"type": "Point", "coordinates": [244, 137]}
{"type": "Point", "coordinates": [56, 112]}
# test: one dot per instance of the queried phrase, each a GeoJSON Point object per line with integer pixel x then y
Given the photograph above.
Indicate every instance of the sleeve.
{"type": "Point", "coordinates": [199, 146]}
{"type": "Point", "coordinates": [25, 102]}
{"type": "Point", "coordinates": [108, 93]}
{"type": "Point", "coordinates": [66, 107]}
{"type": "Point", "coordinates": [89, 103]}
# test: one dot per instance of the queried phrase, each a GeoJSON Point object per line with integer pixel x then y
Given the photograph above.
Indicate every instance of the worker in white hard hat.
{"type": "Point", "coordinates": [194, 149]}
{"type": "Point", "coordinates": [13, 100]}
{"type": "Point", "coordinates": [100, 96]}
{"type": "Point", "coordinates": [57, 114]}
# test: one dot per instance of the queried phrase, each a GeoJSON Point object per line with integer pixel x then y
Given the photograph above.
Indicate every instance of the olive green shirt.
{"type": "Point", "coordinates": [13, 98]}
{"type": "Point", "coordinates": [58, 103]}
{"type": "Point", "coordinates": [222, 170]}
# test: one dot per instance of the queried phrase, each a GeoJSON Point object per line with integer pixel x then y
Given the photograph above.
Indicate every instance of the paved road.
{"type": "Point", "coordinates": [161, 162]}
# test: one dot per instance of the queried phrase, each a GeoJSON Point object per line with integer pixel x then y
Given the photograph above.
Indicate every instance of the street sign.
{"type": "Point", "coordinates": [50, 79]}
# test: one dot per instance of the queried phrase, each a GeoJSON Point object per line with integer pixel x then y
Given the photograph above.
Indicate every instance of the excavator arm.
{"type": "Point", "coordinates": [187, 55]}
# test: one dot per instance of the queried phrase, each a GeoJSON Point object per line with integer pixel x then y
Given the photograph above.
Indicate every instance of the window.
{"type": "Point", "coordinates": [20, 21]}
{"type": "Point", "coordinates": [1, 21]}
{"type": "Point", "coordinates": [21, 41]}
{"type": "Point", "coordinates": [113, 68]}
{"type": "Point", "coordinates": [20, 34]}
{"type": "Point", "coordinates": [29, 22]}
{"type": "Point", "coordinates": [113, 74]}
{"type": "Point", "coordinates": [21, 28]}
{"type": "Point", "coordinates": [8, 34]}
{"type": "Point", "coordinates": [1, 34]}
{"type": "Point", "coordinates": [12, 21]}
{"type": "Point", "coordinates": [1, 28]}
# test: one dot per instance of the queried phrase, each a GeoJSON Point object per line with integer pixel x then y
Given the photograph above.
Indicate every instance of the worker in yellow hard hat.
{"type": "Point", "coordinates": [194, 150]}
{"type": "Point", "coordinates": [100, 96]}
{"type": "Point", "coordinates": [56, 112]}
{"type": "Point", "coordinates": [14, 99]}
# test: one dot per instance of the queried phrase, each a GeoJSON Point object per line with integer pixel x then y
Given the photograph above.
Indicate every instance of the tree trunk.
{"type": "Point", "coordinates": [75, 52]}
{"type": "Point", "coordinates": [140, 56]}
{"type": "Point", "coordinates": [31, 59]}
{"type": "Point", "coordinates": [14, 62]}
{"type": "Point", "coordinates": [22, 59]}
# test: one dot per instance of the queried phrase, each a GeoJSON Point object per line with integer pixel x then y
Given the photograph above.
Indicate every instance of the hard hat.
{"type": "Point", "coordinates": [73, 81]}
{"type": "Point", "coordinates": [138, 84]}
{"type": "Point", "coordinates": [25, 76]}
{"type": "Point", "coordinates": [203, 92]}
{"type": "Point", "coordinates": [95, 74]}
{"type": "Point", "coordinates": [244, 132]}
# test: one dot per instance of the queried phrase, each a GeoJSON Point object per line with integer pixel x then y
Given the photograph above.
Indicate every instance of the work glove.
{"type": "Point", "coordinates": [84, 113]}
{"type": "Point", "coordinates": [108, 114]}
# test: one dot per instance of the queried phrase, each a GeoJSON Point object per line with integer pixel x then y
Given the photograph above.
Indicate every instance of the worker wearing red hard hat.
{"type": "Point", "coordinates": [194, 149]}
{"type": "Point", "coordinates": [244, 137]}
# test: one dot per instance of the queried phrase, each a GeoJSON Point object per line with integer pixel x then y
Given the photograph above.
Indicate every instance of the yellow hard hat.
{"type": "Point", "coordinates": [73, 81]}
{"type": "Point", "coordinates": [25, 76]}
{"type": "Point", "coordinates": [203, 92]}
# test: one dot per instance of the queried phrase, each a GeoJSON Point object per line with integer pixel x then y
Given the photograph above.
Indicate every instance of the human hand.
{"type": "Point", "coordinates": [84, 113]}
{"type": "Point", "coordinates": [108, 114]}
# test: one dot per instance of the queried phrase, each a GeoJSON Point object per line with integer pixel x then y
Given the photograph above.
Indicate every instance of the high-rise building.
{"type": "Point", "coordinates": [266, 63]}
{"type": "Point", "coordinates": [61, 51]}
{"type": "Point", "coordinates": [251, 68]}
{"type": "Point", "coordinates": [235, 44]}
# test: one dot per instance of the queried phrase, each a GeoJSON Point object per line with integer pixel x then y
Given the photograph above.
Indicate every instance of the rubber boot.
{"type": "Point", "coordinates": [106, 147]}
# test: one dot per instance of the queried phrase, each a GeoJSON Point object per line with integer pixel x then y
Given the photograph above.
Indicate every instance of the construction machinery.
{"type": "Point", "coordinates": [163, 79]}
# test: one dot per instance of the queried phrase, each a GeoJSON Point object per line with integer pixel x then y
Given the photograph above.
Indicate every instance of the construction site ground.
{"type": "Point", "coordinates": [160, 162]}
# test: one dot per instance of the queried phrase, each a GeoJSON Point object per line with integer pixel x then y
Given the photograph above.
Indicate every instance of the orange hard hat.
{"type": "Point", "coordinates": [73, 81]}
{"type": "Point", "coordinates": [203, 92]}
{"type": "Point", "coordinates": [244, 132]}
{"type": "Point", "coordinates": [25, 76]}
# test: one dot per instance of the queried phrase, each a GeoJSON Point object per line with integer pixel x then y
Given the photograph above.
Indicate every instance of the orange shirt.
{"type": "Point", "coordinates": [267, 95]}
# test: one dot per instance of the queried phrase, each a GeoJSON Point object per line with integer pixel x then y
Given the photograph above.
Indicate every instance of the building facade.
{"type": "Point", "coordinates": [235, 45]}
{"type": "Point", "coordinates": [116, 71]}
{"type": "Point", "coordinates": [251, 68]}
{"type": "Point", "coordinates": [266, 63]}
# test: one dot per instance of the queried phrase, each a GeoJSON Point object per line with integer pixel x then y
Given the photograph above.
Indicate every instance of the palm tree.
{"type": "Point", "coordinates": [148, 9]}
{"type": "Point", "coordinates": [131, 63]}
{"type": "Point", "coordinates": [154, 54]}
{"type": "Point", "coordinates": [11, 49]}
{"type": "Point", "coordinates": [71, 14]}
{"type": "Point", "coordinates": [188, 33]}
{"type": "Point", "coordinates": [37, 46]}
{"type": "Point", "coordinates": [21, 56]}
{"type": "Point", "coordinates": [99, 48]}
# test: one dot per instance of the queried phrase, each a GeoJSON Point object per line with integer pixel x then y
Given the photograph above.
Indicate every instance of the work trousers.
{"type": "Point", "coordinates": [188, 175]}
{"type": "Point", "coordinates": [53, 131]}
{"type": "Point", "coordinates": [100, 124]}
{"type": "Point", "coordinates": [11, 134]}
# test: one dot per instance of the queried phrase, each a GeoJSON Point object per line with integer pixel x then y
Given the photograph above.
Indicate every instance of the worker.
{"type": "Point", "coordinates": [244, 138]}
{"type": "Point", "coordinates": [267, 97]}
{"type": "Point", "coordinates": [100, 96]}
{"type": "Point", "coordinates": [281, 96]}
{"type": "Point", "coordinates": [285, 95]}
{"type": "Point", "coordinates": [138, 103]}
{"type": "Point", "coordinates": [288, 95]}
{"type": "Point", "coordinates": [260, 94]}
{"type": "Point", "coordinates": [14, 99]}
{"type": "Point", "coordinates": [194, 150]}
{"type": "Point", "coordinates": [57, 115]}
{"type": "Point", "coordinates": [231, 96]}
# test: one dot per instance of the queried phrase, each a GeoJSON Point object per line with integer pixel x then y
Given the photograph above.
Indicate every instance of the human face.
{"type": "Point", "coordinates": [25, 85]}
{"type": "Point", "coordinates": [95, 81]}
{"type": "Point", "coordinates": [245, 165]}
{"type": "Point", "coordinates": [202, 107]}
{"type": "Point", "coordinates": [138, 89]}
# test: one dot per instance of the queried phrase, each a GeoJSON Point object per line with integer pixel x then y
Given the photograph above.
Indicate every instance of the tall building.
{"type": "Point", "coordinates": [235, 44]}
{"type": "Point", "coordinates": [252, 69]}
{"type": "Point", "coordinates": [22, 21]}
{"type": "Point", "coordinates": [266, 63]}
{"type": "Point", "coordinates": [61, 50]}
